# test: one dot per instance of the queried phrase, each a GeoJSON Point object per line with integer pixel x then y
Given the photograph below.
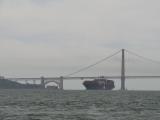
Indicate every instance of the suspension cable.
{"type": "Point", "coordinates": [94, 64]}
{"type": "Point", "coordinates": [144, 58]}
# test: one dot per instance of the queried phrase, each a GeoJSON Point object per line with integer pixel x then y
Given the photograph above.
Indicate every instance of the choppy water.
{"type": "Point", "coordinates": [79, 105]}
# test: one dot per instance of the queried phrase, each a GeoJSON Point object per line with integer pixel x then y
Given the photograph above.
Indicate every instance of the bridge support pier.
{"type": "Point", "coordinates": [61, 83]}
{"type": "Point", "coordinates": [42, 82]}
{"type": "Point", "coordinates": [34, 82]}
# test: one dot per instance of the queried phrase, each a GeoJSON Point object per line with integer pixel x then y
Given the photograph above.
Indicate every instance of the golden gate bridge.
{"type": "Point", "coordinates": [123, 77]}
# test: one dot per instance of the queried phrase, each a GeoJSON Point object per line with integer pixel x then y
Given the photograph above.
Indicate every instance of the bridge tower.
{"type": "Point", "coordinates": [123, 70]}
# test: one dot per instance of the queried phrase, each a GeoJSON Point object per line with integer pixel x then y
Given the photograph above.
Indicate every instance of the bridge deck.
{"type": "Point", "coordinates": [90, 77]}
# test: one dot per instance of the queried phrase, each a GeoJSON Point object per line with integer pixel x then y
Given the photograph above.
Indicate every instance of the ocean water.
{"type": "Point", "coordinates": [79, 105]}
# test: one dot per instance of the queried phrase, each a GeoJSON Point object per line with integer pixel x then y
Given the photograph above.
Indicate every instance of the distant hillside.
{"type": "Point", "coordinates": [7, 84]}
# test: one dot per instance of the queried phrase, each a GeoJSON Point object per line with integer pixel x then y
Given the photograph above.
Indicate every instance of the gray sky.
{"type": "Point", "coordinates": [56, 37]}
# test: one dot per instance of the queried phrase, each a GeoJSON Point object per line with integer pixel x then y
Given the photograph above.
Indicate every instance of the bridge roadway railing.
{"type": "Point", "coordinates": [83, 78]}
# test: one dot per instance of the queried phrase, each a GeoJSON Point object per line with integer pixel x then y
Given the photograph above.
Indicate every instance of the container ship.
{"type": "Point", "coordinates": [99, 84]}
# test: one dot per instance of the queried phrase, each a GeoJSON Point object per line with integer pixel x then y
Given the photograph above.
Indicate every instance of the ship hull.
{"type": "Point", "coordinates": [99, 84]}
